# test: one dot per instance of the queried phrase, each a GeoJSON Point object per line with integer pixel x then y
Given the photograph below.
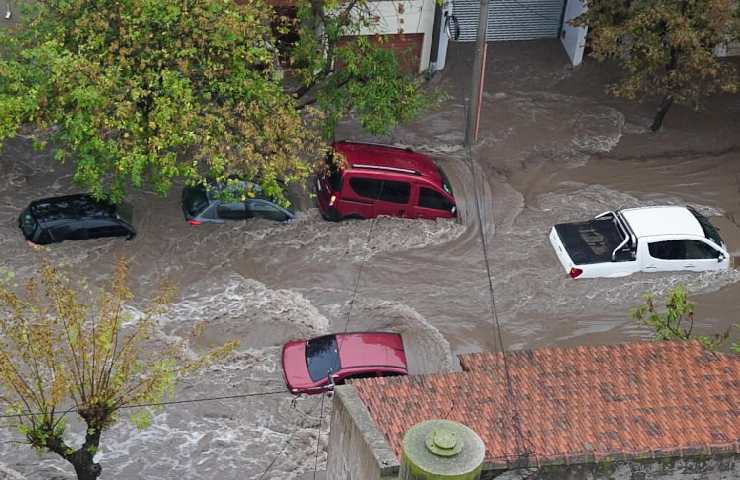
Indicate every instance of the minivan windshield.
{"type": "Point", "coordinates": [445, 181]}
{"type": "Point", "coordinates": [334, 173]}
{"type": "Point", "coordinates": [709, 230]}
{"type": "Point", "coordinates": [322, 357]}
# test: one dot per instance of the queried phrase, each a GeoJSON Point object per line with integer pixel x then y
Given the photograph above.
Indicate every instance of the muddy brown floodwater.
{"type": "Point", "coordinates": [553, 148]}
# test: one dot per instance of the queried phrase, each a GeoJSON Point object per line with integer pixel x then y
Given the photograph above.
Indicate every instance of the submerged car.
{"type": "Point", "coordinates": [74, 217]}
{"type": "Point", "coordinates": [378, 180]}
{"type": "Point", "coordinates": [648, 239]}
{"type": "Point", "coordinates": [204, 204]}
{"type": "Point", "coordinates": [316, 365]}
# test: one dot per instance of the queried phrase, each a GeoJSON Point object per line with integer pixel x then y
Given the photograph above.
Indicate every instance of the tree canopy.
{"type": "Point", "coordinates": [344, 71]}
{"type": "Point", "coordinates": [666, 47]}
{"type": "Point", "coordinates": [141, 92]}
{"type": "Point", "coordinates": [144, 91]}
{"type": "Point", "coordinates": [61, 354]}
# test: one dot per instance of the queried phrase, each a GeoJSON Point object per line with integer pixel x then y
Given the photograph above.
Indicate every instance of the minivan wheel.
{"type": "Point", "coordinates": [354, 216]}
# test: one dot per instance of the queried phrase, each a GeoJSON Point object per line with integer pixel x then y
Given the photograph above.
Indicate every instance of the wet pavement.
{"type": "Point", "coordinates": [553, 148]}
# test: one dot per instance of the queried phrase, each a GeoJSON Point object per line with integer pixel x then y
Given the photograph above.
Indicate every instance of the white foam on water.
{"type": "Point", "coordinates": [427, 350]}
{"type": "Point", "coordinates": [233, 307]}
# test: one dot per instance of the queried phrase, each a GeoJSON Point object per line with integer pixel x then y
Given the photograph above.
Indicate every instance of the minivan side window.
{"type": "Point", "coordinates": [366, 187]}
{"type": "Point", "coordinates": [395, 192]}
{"type": "Point", "coordinates": [681, 250]}
{"type": "Point", "coordinates": [428, 198]}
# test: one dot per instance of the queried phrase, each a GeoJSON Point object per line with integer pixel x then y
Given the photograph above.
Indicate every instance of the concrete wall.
{"type": "Point", "coordinates": [357, 449]}
{"type": "Point", "coordinates": [404, 17]}
{"type": "Point", "coordinates": [573, 38]}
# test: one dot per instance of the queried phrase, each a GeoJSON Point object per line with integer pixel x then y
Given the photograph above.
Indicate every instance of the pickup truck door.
{"type": "Point", "coordinates": [681, 254]}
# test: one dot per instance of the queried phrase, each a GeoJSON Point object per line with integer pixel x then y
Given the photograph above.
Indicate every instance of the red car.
{"type": "Point", "coordinates": [383, 180]}
{"type": "Point", "coordinates": [309, 364]}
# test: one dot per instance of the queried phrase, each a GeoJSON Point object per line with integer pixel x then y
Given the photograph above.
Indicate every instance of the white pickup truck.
{"type": "Point", "coordinates": [648, 239]}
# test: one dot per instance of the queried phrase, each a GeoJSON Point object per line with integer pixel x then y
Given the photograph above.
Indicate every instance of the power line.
{"type": "Point", "coordinates": [318, 437]}
{"type": "Point", "coordinates": [471, 118]}
{"type": "Point", "coordinates": [364, 261]}
{"type": "Point", "coordinates": [285, 446]}
{"type": "Point", "coordinates": [158, 404]}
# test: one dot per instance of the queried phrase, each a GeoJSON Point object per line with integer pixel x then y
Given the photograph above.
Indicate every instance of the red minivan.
{"type": "Point", "coordinates": [383, 180]}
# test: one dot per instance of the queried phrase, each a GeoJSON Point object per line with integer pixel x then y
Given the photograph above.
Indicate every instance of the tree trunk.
{"type": "Point", "coordinates": [660, 114]}
{"type": "Point", "coordinates": [85, 468]}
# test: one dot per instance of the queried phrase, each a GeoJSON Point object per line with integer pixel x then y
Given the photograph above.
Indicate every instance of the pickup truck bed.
{"type": "Point", "coordinates": [590, 242]}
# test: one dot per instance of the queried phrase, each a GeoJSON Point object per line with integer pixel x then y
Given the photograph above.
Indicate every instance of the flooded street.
{"type": "Point", "coordinates": [553, 148]}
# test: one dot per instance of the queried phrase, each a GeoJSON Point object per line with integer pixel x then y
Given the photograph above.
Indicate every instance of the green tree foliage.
{"type": "Point", "coordinates": [677, 321]}
{"type": "Point", "coordinates": [343, 72]}
{"type": "Point", "coordinates": [140, 92]}
{"type": "Point", "coordinates": [62, 353]}
{"type": "Point", "coordinates": [666, 47]}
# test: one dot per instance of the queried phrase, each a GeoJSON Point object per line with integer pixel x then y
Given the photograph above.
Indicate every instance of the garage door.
{"type": "Point", "coordinates": [510, 19]}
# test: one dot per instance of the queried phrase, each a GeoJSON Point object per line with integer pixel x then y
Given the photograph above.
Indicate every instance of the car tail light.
{"type": "Point", "coordinates": [194, 222]}
{"type": "Point", "coordinates": [575, 272]}
{"type": "Point", "coordinates": [332, 199]}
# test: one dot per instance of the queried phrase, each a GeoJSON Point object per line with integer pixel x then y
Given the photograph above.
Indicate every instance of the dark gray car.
{"type": "Point", "coordinates": [203, 205]}
{"type": "Point", "coordinates": [74, 217]}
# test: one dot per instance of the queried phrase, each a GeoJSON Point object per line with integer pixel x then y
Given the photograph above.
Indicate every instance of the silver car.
{"type": "Point", "coordinates": [202, 204]}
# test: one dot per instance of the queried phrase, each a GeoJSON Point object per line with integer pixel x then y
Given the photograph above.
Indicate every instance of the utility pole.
{"type": "Point", "coordinates": [479, 68]}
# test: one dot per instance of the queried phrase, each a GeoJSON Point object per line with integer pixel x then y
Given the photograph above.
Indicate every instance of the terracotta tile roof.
{"type": "Point", "coordinates": [575, 405]}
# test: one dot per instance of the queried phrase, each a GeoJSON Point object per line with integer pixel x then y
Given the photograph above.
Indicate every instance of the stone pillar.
{"type": "Point", "coordinates": [441, 450]}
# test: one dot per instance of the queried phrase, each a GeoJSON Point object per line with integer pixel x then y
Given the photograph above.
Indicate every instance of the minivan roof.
{"type": "Point", "coordinates": [70, 207]}
{"type": "Point", "coordinates": [389, 157]}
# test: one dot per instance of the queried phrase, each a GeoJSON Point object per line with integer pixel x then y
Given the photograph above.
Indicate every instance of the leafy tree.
{"type": "Point", "coordinates": [341, 71]}
{"type": "Point", "coordinates": [666, 47]}
{"type": "Point", "coordinates": [144, 91]}
{"type": "Point", "coordinates": [141, 92]}
{"type": "Point", "coordinates": [677, 322]}
{"type": "Point", "coordinates": [61, 354]}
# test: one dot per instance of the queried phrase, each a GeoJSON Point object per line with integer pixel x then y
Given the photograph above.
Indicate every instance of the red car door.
{"type": "Point", "coordinates": [431, 203]}
{"type": "Point", "coordinates": [394, 199]}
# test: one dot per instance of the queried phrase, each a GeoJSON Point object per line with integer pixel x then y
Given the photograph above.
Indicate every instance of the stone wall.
{"type": "Point", "coordinates": [710, 467]}
{"type": "Point", "coordinates": [357, 449]}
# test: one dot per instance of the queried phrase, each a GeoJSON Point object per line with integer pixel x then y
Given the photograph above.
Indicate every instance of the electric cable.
{"type": "Point", "coordinates": [318, 437]}
{"type": "Point", "coordinates": [494, 314]}
{"type": "Point", "coordinates": [364, 261]}
{"type": "Point", "coordinates": [158, 404]}
{"type": "Point", "coordinates": [285, 446]}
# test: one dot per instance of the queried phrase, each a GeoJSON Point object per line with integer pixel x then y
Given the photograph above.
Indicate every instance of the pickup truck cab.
{"type": "Point", "coordinates": [647, 239]}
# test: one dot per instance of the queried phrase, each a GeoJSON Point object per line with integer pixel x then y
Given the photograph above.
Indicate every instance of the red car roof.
{"type": "Point", "coordinates": [357, 350]}
{"type": "Point", "coordinates": [387, 156]}
{"type": "Point", "coordinates": [369, 351]}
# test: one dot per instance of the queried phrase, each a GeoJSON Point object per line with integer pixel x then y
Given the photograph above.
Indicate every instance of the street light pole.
{"type": "Point", "coordinates": [479, 68]}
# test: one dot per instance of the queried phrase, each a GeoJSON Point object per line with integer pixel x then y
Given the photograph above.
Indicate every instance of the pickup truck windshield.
{"type": "Point", "coordinates": [709, 230]}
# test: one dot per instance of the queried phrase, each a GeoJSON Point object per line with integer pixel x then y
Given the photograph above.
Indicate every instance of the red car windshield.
{"type": "Point", "coordinates": [322, 357]}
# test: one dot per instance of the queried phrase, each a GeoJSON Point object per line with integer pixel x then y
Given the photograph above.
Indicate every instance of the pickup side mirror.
{"type": "Point", "coordinates": [721, 257]}
{"type": "Point", "coordinates": [453, 210]}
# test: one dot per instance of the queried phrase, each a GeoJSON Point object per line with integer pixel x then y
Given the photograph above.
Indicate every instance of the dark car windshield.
{"type": "Point", "coordinates": [709, 230]}
{"type": "Point", "coordinates": [195, 200]}
{"type": "Point", "coordinates": [28, 224]}
{"type": "Point", "coordinates": [445, 181]}
{"type": "Point", "coordinates": [322, 357]}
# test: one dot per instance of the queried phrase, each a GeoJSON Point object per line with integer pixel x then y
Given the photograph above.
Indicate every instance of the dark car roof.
{"type": "Point", "coordinates": [386, 156]}
{"type": "Point", "coordinates": [70, 207]}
